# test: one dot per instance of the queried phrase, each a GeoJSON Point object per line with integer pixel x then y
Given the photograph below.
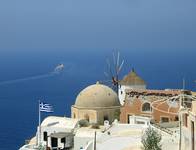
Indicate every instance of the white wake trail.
{"type": "Point", "coordinates": [57, 70]}
{"type": "Point", "coordinates": [28, 78]}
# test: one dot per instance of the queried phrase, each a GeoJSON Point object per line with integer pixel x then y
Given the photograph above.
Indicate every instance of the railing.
{"type": "Point", "coordinates": [162, 128]}
{"type": "Point", "coordinates": [29, 147]}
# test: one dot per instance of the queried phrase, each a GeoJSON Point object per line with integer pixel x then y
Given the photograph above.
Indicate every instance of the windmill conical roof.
{"type": "Point", "coordinates": [132, 79]}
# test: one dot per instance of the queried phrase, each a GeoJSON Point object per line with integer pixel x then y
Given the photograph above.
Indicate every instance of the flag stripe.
{"type": "Point", "coordinates": [44, 107]}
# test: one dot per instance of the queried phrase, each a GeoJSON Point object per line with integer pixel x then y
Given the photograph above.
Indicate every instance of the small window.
{"type": "Point", "coordinates": [74, 115]}
{"type": "Point", "coordinates": [105, 118]}
{"type": "Point", "coordinates": [176, 118]}
{"type": "Point", "coordinates": [185, 121]}
{"type": "Point", "coordinates": [140, 122]}
{"type": "Point", "coordinates": [63, 140]}
{"type": "Point", "coordinates": [45, 136]}
{"type": "Point", "coordinates": [164, 119]}
{"type": "Point", "coordinates": [121, 92]}
{"type": "Point", "coordinates": [146, 107]}
{"type": "Point", "coordinates": [86, 117]}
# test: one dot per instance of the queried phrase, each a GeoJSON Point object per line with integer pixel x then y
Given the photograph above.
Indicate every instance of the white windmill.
{"type": "Point", "coordinates": [113, 69]}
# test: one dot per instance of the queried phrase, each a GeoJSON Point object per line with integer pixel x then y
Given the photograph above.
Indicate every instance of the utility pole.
{"type": "Point", "coordinates": [180, 121]}
{"type": "Point", "coordinates": [184, 83]}
{"type": "Point", "coordinates": [180, 114]}
{"type": "Point", "coordinates": [95, 140]}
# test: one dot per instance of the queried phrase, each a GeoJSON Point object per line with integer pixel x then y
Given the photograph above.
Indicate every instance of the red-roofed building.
{"type": "Point", "coordinates": [159, 105]}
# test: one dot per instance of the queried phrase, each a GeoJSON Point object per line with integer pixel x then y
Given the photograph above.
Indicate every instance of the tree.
{"type": "Point", "coordinates": [151, 140]}
{"type": "Point", "coordinates": [117, 115]}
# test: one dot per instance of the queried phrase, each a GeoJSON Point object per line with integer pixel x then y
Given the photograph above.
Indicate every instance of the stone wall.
{"type": "Point", "coordinates": [96, 115]}
{"type": "Point", "coordinates": [90, 115]}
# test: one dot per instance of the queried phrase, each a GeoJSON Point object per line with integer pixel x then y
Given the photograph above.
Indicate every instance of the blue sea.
{"type": "Point", "coordinates": [19, 101]}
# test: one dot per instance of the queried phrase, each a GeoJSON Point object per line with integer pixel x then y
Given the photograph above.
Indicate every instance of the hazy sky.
{"type": "Point", "coordinates": [97, 25]}
{"type": "Point", "coordinates": [157, 37]}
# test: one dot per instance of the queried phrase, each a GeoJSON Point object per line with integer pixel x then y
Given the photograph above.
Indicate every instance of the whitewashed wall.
{"type": "Point", "coordinates": [123, 88]}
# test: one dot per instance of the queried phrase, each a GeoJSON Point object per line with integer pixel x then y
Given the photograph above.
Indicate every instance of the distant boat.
{"type": "Point", "coordinates": [59, 68]}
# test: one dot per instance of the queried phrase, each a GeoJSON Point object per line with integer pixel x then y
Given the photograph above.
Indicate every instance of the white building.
{"type": "Point", "coordinates": [130, 82]}
{"type": "Point", "coordinates": [84, 138]}
{"type": "Point", "coordinates": [56, 133]}
{"type": "Point", "coordinates": [189, 128]}
{"type": "Point", "coordinates": [125, 137]}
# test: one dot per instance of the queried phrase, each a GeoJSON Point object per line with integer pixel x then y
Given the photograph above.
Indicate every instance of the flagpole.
{"type": "Point", "coordinates": [43, 107]}
{"type": "Point", "coordinates": [39, 125]}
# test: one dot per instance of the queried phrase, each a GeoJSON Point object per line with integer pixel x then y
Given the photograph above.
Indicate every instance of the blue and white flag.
{"type": "Point", "coordinates": [44, 107]}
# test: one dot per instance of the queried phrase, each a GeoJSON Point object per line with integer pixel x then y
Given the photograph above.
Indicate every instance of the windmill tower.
{"type": "Point", "coordinates": [130, 82]}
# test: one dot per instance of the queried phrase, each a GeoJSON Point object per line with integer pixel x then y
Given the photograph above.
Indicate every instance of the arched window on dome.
{"type": "Point", "coordinates": [74, 115]}
{"type": "Point", "coordinates": [106, 118]}
{"type": "Point", "coordinates": [86, 117]}
{"type": "Point", "coordinates": [146, 107]}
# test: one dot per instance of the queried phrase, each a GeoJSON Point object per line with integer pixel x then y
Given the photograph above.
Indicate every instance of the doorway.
{"type": "Point", "coordinates": [106, 118]}
{"type": "Point", "coordinates": [128, 119]}
{"type": "Point", "coordinates": [54, 143]}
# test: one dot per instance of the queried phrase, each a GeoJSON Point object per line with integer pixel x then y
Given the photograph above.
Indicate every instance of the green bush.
{"type": "Point", "coordinates": [41, 147]}
{"type": "Point", "coordinates": [117, 115]}
{"type": "Point", "coordinates": [151, 140]}
{"type": "Point", "coordinates": [83, 123]}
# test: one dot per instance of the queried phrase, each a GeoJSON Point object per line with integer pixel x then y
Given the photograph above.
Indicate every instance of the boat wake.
{"type": "Point", "coordinates": [58, 69]}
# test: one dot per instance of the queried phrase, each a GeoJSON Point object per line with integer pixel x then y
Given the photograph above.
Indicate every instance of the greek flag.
{"type": "Point", "coordinates": [44, 107]}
